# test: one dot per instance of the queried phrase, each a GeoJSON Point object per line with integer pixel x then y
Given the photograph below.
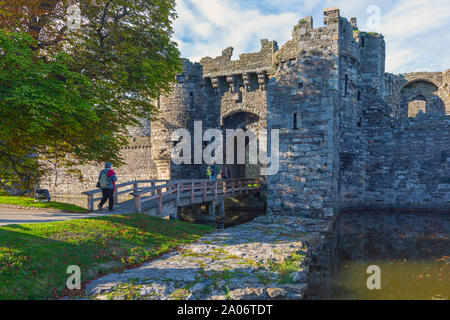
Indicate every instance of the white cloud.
{"type": "Point", "coordinates": [415, 18]}
{"type": "Point", "coordinates": [416, 31]}
{"type": "Point", "coordinates": [416, 34]}
{"type": "Point", "coordinates": [206, 27]}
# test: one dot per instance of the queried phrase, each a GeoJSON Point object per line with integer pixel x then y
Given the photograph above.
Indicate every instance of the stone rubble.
{"type": "Point", "coordinates": [236, 263]}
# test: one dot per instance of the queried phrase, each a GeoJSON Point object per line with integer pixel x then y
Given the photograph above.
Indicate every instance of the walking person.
{"type": "Point", "coordinates": [212, 172]}
{"type": "Point", "coordinates": [107, 182]}
{"type": "Point", "coordinates": [226, 172]}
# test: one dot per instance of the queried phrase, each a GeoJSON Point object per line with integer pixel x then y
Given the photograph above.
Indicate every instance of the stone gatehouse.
{"type": "Point", "coordinates": [351, 135]}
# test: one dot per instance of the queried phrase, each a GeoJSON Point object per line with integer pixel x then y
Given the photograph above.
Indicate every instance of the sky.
{"type": "Point", "coordinates": [417, 32]}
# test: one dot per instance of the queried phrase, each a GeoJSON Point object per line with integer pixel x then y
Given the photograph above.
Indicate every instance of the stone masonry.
{"type": "Point", "coordinates": [351, 135]}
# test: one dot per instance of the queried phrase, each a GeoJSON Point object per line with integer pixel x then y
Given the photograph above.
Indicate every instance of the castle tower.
{"type": "Point", "coordinates": [303, 103]}
{"type": "Point", "coordinates": [179, 110]}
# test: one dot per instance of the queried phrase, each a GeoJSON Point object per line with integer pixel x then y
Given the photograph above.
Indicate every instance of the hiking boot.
{"type": "Point", "coordinates": [100, 208]}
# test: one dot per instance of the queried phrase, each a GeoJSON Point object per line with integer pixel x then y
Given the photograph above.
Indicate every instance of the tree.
{"type": "Point", "coordinates": [46, 109]}
{"type": "Point", "coordinates": [74, 92]}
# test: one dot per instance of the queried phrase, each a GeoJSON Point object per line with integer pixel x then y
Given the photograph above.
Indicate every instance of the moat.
{"type": "Point", "coordinates": [412, 251]}
{"type": "Point", "coordinates": [401, 279]}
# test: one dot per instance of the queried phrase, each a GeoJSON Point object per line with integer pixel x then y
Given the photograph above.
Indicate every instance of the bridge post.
{"type": "Point", "coordinates": [177, 199]}
{"type": "Point", "coordinates": [192, 193]}
{"type": "Point", "coordinates": [90, 202]}
{"type": "Point", "coordinates": [135, 187]}
{"type": "Point", "coordinates": [224, 187]}
{"type": "Point", "coordinates": [221, 215]}
{"type": "Point", "coordinates": [153, 185]}
{"type": "Point", "coordinates": [204, 191]}
{"type": "Point", "coordinates": [137, 203]}
{"type": "Point", "coordinates": [116, 197]}
{"type": "Point", "coordinates": [212, 209]}
{"type": "Point", "coordinates": [160, 201]}
{"type": "Point", "coordinates": [215, 190]}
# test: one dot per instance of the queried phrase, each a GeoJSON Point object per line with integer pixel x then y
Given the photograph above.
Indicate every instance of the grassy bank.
{"type": "Point", "coordinates": [34, 257]}
{"type": "Point", "coordinates": [29, 202]}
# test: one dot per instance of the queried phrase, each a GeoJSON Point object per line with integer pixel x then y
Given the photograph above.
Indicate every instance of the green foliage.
{"type": "Point", "coordinates": [34, 257]}
{"type": "Point", "coordinates": [67, 96]}
{"type": "Point", "coordinates": [286, 267]}
{"type": "Point", "coordinates": [44, 106]}
{"type": "Point", "coordinates": [127, 49]}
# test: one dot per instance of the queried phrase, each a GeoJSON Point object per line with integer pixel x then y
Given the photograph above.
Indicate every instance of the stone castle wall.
{"type": "Point", "coordinates": [351, 135]}
{"type": "Point", "coordinates": [406, 162]}
{"type": "Point", "coordinates": [139, 165]}
{"type": "Point", "coordinates": [302, 104]}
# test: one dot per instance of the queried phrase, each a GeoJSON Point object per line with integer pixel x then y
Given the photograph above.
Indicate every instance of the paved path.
{"type": "Point", "coordinates": [235, 263]}
{"type": "Point", "coordinates": [17, 216]}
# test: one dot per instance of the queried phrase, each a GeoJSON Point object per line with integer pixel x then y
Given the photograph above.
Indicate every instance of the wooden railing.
{"type": "Point", "coordinates": [191, 189]}
{"type": "Point", "coordinates": [91, 194]}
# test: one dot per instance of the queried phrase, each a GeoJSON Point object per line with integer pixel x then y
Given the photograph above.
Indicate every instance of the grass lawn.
{"type": "Point", "coordinates": [29, 202]}
{"type": "Point", "coordinates": [34, 257]}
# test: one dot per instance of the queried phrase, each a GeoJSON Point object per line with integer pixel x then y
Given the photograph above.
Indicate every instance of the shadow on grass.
{"type": "Point", "coordinates": [34, 258]}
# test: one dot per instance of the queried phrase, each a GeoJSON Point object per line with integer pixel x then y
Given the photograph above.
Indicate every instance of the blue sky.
{"type": "Point", "coordinates": [417, 32]}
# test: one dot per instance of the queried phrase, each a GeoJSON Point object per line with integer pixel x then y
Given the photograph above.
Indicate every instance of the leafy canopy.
{"type": "Point", "coordinates": [73, 93]}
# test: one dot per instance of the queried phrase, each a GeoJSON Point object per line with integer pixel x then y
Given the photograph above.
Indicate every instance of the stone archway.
{"type": "Point", "coordinates": [248, 122]}
{"type": "Point", "coordinates": [416, 105]}
{"type": "Point", "coordinates": [420, 95]}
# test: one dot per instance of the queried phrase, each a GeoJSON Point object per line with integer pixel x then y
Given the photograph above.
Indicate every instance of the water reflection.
{"type": "Point", "coordinates": [400, 279]}
{"type": "Point", "coordinates": [412, 251]}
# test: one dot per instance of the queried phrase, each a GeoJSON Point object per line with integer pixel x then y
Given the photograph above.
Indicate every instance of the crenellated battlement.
{"type": "Point", "coordinates": [247, 62]}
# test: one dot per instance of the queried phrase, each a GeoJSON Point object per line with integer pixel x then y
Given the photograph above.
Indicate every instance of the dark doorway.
{"type": "Point", "coordinates": [245, 121]}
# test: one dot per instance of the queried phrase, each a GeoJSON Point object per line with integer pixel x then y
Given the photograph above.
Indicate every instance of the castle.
{"type": "Point", "coordinates": [351, 136]}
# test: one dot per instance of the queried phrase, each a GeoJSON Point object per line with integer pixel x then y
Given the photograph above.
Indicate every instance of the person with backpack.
{"type": "Point", "coordinates": [212, 172]}
{"type": "Point", "coordinates": [107, 182]}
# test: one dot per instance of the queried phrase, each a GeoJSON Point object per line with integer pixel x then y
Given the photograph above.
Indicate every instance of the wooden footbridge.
{"type": "Point", "coordinates": [162, 198]}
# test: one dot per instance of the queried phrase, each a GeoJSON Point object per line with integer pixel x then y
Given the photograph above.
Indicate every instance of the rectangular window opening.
{"type": "Point", "coordinates": [346, 86]}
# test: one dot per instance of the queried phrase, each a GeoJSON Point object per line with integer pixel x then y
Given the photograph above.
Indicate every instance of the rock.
{"type": "Point", "coordinates": [227, 263]}
{"type": "Point", "coordinates": [276, 292]}
{"type": "Point", "coordinates": [98, 289]}
{"type": "Point", "coordinates": [299, 276]}
{"type": "Point", "coordinates": [294, 296]}
{"type": "Point", "coordinates": [197, 287]}
{"type": "Point", "coordinates": [297, 288]}
{"type": "Point", "coordinates": [247, 294]}
{"type": "Point", "coordinates": [109, 265]}
{"type": "Point", "coordinates": [145, 291]}
{"type": "Point", "coordinates": [103, 297]}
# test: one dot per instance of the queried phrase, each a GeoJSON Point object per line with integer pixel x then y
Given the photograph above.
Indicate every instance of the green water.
{"type": "Point", "coordinates": [400, 279]}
